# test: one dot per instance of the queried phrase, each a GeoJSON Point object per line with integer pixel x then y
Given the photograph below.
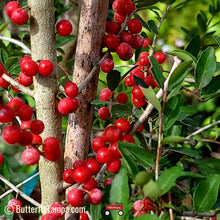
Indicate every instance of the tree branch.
{"type": "Point", "coordinates": [16, 42]}
{"type": "Point", "coordinates": [17, 85]}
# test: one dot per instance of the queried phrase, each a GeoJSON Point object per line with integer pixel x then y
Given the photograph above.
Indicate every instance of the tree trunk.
{"type": "Point", "coordinates": [45, 89]}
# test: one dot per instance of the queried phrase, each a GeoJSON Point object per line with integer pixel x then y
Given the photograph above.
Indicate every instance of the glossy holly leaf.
{"type": "Point", "coordinates": [140, 82]}
{"type": "Point", "coordinates": [217, 39]}
{"type": "Point", "coordinates": [151, 97]}
{"type": "Point", "coordinates": [61, 41]}
{"type": "Point", "coordinates": [153, 26]}
{"type": "Point", "coordinates": [184, 55]}
{"type": "Point", "coordinates": [119, 193]}
{"type": "Point", "coordinates": [157, 72]}
{"type": "Point", "coordinates": [168, 178]}
{"type": "Point", "coordinates": [113, 79]}
{"type": "Point", "coordinates": [142, 156]}
{"type": "Point", "coordinates": [121, 111]}
{"type": "Point", "coordinates": [179, 74]}
{"type": "Point", "coordinates": [206, 193]}
{"type": "Point", "coordinates": [194, 46]}
{"type": "Point", "coordinates": [205, 68]}
{"type": "Point", "coordinates": [3, 56]}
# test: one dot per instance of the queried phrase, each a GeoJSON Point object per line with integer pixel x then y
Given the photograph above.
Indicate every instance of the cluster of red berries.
{"type": "Point", "coordinates": [17, 14]}
{"type": "Point", "coordinates": [142, 207]}
{"type": "Point", "coordinates": [28, 133]}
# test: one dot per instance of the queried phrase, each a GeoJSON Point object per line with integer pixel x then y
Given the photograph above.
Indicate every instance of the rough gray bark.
{"type": "Point", "coordinates": [46, 89]}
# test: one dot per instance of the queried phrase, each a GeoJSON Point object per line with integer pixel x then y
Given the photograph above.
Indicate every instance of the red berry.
{"type": "Point", "coordinates": [11, 134]}
{"type": "Point", "coordinates": [51, 144]}
{"type": "Point", "coordinates": [98, 143]}
{"type": "Point", "coordinates": [78, 163]}
{"type": "Point", "coordinates": [82, 174]}
{"type": "Point", "coordinates": [26, 138]}
{"type": "Point", "coordinates": [129, 81]}
{"type": "Point", "coordinates": [15, 205]}
{"type": "Point", "coordinates": [114, 165]}
{"type": "Point", "coordinates": [119, 18]}
{"type": "Point", "coordinates": [49, 217]}
{"type": "Point", "coordinates": [68, 176]}
{"type": "Point", "coordinates": [25, 80]}
{"type": "Point", "coordinates": [123, 124]}
{"type": "Point", "coordinates": [107, 65]}
{"type": "Point", "coordinates": [160, 57]}
{"type": "Point", "coordinates": [16, 104]}
{"type": "Point", "coordinates": [68, 105]}
{"type": "Point", "coordinates": [36, 140]}
{"type": "Point", "coordinates": [111, 134]}
{"type": "Point", "coordinates": [143, 59]}
{"type": "Point", "coordinates": [112, 27]}
{"type": "Point", "coordinates": [25, 125]}
{"type": "Point", "coordinates": [104, 113]}
{"type": "Point", "coordinates": [124, 51]}
{"type": "Point", "coordinates": [95, 196]}
{"type": "Point", "coordinates": [29, 67]}
{"type": "Point", "coordinates": [105, 94]}
{"type": "Point", "coordinates": [104, 155]}
{"type": "Point", "coordinates": [137, 92]}
{"type": "Point", "coordinates": [138, 102]}
{"type": "Point", "coordinates": [128, 7]}
{"type": "Point", "coordinates": [147, 42]}
{"type": "Point", "coordinates": [6, 114]}
{"type": "Point", "coordinates": [90, 184]}
{"type": "Point", "coordinates": [127, 37]}
{"type": "Point", "coordinates": [64, 28]}
{"type": "Point", "coordinates": [19, 16]}
{"type": "Point", "coordinates": [1, 69]}
{"type": "Point", "coordinates": [114, 149]}
{"type": "Point", "coordinates": [138, 205]}
{"type": "Point", "coordinates": [93, 165]}
{"type": "Point", "coordinates": [137, 72]}
{"type": "Point", "coordinates": [31, 156]}
{"type": "Point", "coordinates": [23, 59]}
{"type": "Point", "coordinates": [111, 41]}
{"type": "Point", "coordinates": [58, 209]}
{"type": "Point", "coordinates": [148, 205]}
{"type": "Point", "coordinates": [76, 197]}
{"type": "Point", "coordinates": [108, 181]}
{"type": "Point", "coordinates": [11, 6]}
{"type": "Point", "coordinates": [1, 159]}
{"type": "Point", "coordinates": [45, 67]}
{"type": "Point", "coordinates": [141, 128]}
{"type": "Point", "coordinates": [54, 156]}
{"type": "Point", "coordinates": [37, 126]}
{"type": "Point", "coordinates": [142, 212]}
{"type": "Point", "coordinates": [71, 89]}
{"type": "Point", "coordinates": [127, 138]}
{"type": "Point", "coordinates": [25, 112]}
{"type": "Point", "coordinates": [83, 216]}
{"type": "Point", "coordinates": [3, 82]}
{"type": "Point", "coordinates": [122, 98]}
{"type": "Point", "coordinates": [149, 80]}
{"type": "Point", "coordinates": [138, 41]}
{"type": "Point", "coordinates": [134, 25]}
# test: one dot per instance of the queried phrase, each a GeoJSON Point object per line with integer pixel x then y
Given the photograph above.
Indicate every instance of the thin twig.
{"type": "Point", "coordinates": [203, 129]}
{"type": "Point", "coordinates": [16, 42]}
{"type": "Point", "coordinates": [170, 202]}
{"type": "Point", "coordinates": [159, 95]}
{"type": "Point", "coordinates": [20, 184]}
{"type": "Point", "coordinates": [28, 198]}
{"type": "Point", "coordinates": [193, 94]}
{"type": "Point", "coordinates": [17, 85]}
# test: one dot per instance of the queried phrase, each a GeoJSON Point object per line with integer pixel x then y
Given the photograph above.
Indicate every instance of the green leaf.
{"type": "Point", "coordinates": [61, 41]}
{"type": "Point", "coordinates": [144, 24]}
{"type": "Point", "coordinates": [140, 82]}
{"type": "Point", "coordinates": [142, 156]}
{"type": "Point", "coordinates": [157, 72]}
{"type": "Point", "coordinates": [144, 3]}
{"type": "Point", "coordinates": [3, 207]}
{"type": "Point", "coordinates": [194, 46]}
{"type": "Point", "coordinates": [217, 39]}
{"type": "Point", "coordinates": [130, 163]}
{"type": "Point", "coordinates": [185, 151]}
{"type": "Point", "coordinates": [191, 174]}
{"type": "Point", "coordinates": [113, 79]}
{"type": "Point", "coordinates": [5, 171]}
{"type": "Point", "coordinates": [121, 111]}
{"type": "Point", "coordinates": [206, 193]}
{"type": "Point", "coordinates": [152, 26]}
{"type": "Point", "coordinates": [168, 178]}
{"type": "Point", "coordinates": [125, 74]}
{"type": "Point", "coordinates": [3, 56]}
{"type": "Point", "coordinates": [147, 217]}
{"type": "Point", "coordinates": [173, 139]}
{"type": "Point", "coordinates": [201, 23]}
{"type": "Point", "coordinates": [205, 67]}
{"type": "Point", "coordinates": [119, 193]}
{"type": "Point", "coordinates": [151, 97]}
{"type": "Point", "coordinates": [3, 26]}
{"type": "Point", "coordinates": [184, 55]}
{"type": "Point", "coordinates": [179, 74]}
{"type": "Point", "coordinates": [95, 211]}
